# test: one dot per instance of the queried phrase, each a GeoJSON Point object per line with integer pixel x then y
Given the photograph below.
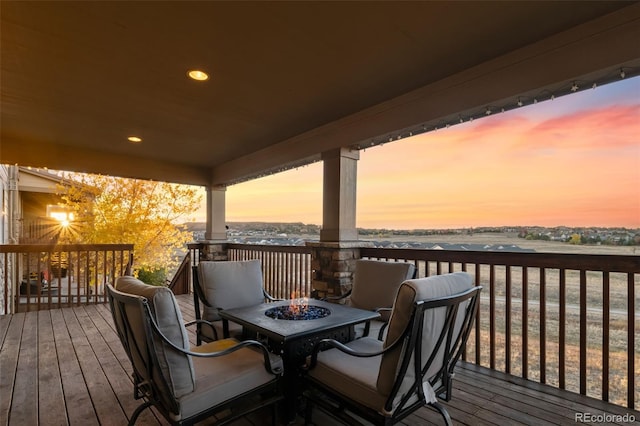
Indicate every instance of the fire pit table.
{"type": "Point", "coordinates": [291, 328]}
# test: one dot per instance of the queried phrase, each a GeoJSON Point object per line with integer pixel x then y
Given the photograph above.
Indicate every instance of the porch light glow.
{"type": "Point", "coordinates": [198, 75]}
{"type": "Point", "coordinates": [134, 139]}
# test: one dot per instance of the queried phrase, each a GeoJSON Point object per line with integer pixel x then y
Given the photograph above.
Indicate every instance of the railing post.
{"type": "Point", "coordinates": [332, 266]}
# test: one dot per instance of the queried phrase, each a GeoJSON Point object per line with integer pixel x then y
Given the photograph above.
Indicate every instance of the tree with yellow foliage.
{"type": "Point", "coordinates": [147, 214]}
{"type": "Point", "coordinates": [575, 239]}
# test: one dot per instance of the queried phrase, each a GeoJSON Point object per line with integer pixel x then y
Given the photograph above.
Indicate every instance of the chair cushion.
{"type": "Point", "coordinates": [410, 292]}
{"type": "Point", "coordinates": [176, 368]}
{"type": "Point", "coordinates": [235, 330]}
{"type": "Point", "coordinates": [375, 283]}
{"type": "Point", "coordinates": [228, 285]}
{"type": "Point", "coordinates": [222, 378]}
{"type": "Point", "coordinates": [351, 376]}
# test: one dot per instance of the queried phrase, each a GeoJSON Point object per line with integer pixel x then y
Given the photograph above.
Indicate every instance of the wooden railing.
{"type": "Point", "coordinates": [40, 231]}
{"type": "Point", "coordinates": [567, 320]}
{"type": "Point", "coordinates": [46, 276]}
{"type": "Point", "coordinates": [286, 269]}
{"type": "Point", "coordinates": [181, 281]}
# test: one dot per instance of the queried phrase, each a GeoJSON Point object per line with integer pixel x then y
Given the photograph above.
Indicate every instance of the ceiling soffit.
{"type": "Point", "coordinates": [289, 80]}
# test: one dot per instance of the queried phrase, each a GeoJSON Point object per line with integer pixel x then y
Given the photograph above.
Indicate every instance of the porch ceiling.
{"type": "Point", "coordinates": [288, 80]}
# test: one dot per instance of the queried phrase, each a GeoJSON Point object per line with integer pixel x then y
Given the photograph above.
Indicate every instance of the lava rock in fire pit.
{"type": "Point", "coordinates": [297, 313]}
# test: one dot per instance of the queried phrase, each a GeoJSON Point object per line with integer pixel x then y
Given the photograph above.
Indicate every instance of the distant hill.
{"type": "Point", "coordinates": [585, 235]}
{"type": "Point", "coordinates": [297, 228]}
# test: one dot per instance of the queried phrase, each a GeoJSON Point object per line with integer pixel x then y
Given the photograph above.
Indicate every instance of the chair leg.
{"type": "Point", "coordinates": [443, 411]}
{"type": "Point", "coordinates": [139, 410]}
{"type": "Point", "coordinates": [274, 414]}
{"type": "Point", "coordinates": [308, 412]}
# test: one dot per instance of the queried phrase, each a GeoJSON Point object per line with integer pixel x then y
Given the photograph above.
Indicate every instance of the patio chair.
{"type": "Point", "coordinates": [225, 285]}
{"type": "Point", "coordinates": [375, 284]}
{"type": "Point", "coordinates": [188, 384]}
{"type": "Point", "coordinates": [383, 382]}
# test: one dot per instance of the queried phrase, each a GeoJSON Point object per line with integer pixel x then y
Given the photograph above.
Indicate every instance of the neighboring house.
{"type": "Point", "coordinates": [38, 206]}
{"type": "Point", "coordinates": [31, 209]}
{"type": "Point", "coordinates": [30, 205]}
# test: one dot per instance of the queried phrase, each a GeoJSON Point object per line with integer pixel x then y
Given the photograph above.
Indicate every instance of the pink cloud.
{"type": "Point", "coordinates": [518, 168]}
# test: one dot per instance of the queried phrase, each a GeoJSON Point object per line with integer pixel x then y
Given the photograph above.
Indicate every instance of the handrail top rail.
{"type": "Point", "coordinates": [592, 262]}
{"type": "Point", "coordinates": [32, 248]}
{"type": "Point", "coordinates": [258, 247]}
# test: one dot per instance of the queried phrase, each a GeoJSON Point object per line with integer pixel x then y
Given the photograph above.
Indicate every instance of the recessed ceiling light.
{"type": "Point", "coordinates": [198, 75]}
{"type": "Point", "coordinates": [134, 139]}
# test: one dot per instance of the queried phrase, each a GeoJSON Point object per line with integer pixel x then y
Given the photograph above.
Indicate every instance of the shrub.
{"type": "Point", "coordinates": [155, 276]}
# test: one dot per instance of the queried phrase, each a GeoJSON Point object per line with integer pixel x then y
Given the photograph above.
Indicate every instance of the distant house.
{"type": "Point", "coordinates": [31, 214]}
{"type": "Point", "coordinates": [31, 205]}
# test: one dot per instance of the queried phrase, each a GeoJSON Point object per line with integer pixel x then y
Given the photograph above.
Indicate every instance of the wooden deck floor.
{"type": "Point", "coordinates": [67, 366]}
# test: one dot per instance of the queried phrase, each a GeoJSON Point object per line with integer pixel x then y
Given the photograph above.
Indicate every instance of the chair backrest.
{"type": "Point", "coordinates": [375, 283]}
{"type": "Point", "coordinates": [229, 284]}
{"type": "Point", "coordinates": [429, 326]}
{"type": "Point", "coordinates": [167, 373]}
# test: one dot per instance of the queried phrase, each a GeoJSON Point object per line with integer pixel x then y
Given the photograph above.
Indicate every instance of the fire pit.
{"type": "Point", "coordinates": [297, 310]}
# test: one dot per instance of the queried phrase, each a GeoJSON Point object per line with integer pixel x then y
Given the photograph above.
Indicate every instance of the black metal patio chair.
{"type": "Point", "coordinates": [187, 384]}
{"type": "Point", "coordinates": [383, 382]}
{"type": "Point", "coordinates": [225, 285]}
{"type": "Point", "coordinates": [374, 288]}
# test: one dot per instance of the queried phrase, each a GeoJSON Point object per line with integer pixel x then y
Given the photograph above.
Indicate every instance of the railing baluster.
{"type": "Point", "coordinates": [543, 325]}
{"type": "Point", "coordinates": [507, 316]}
{"type": "Point", "coordinates": [606, 307]}
{"type": "Point", "coordinates": [631, 315]}
{"type": "Point", "coordinates": [492, 316]}
{"type": "Point", "coordinates": [562, 329]}
{"type": "Point", "coordinates": [6, 278]}
{"type": "Point", "coordinates": [525, 322]}
{"type": "Point", "coordinates": [583, 332]}
{"type": "Point", "coordinates": [478, 322]}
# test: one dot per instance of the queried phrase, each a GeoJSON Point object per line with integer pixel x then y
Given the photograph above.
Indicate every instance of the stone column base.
{"type": "Point", "coordinates": [214, 250]}
{"type": "Point", "coordinates": [332, 266]}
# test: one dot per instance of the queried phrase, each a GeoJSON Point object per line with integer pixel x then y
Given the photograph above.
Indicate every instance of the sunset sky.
{"type": "Point", "coordinates": [572, 161]}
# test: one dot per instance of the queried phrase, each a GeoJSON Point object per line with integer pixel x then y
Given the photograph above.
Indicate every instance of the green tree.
{"type": "Point", "coordinates": [147, 214]}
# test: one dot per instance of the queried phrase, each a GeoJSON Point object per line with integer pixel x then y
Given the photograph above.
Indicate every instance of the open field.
{"type": "Point", "coordinates": [509, 238]}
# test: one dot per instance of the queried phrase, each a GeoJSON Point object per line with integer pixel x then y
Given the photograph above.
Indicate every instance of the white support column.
{"type": "Point", "coordinates": [339, 195]}
{"type": "Point", "coordinates": [216, 210]}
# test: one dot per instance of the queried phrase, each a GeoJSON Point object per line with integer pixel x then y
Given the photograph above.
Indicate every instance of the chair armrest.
{"type": "Point", "coordinates": [325, 343]}
{"type": "Point", "coordinates": [203, 322]}
{"type": "Point", "coordinates": [269, 297]}
{"type": "Point", "coordinates": [385, 323]}
{"type": "Point", "coordinates": [245, 343]}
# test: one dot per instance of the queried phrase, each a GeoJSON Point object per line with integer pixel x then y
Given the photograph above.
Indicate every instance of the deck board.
{"type": "Point", "coordinates": [67, 366]}
{"type": "Point", "coordinates": [50, 393]}
{"type": "Point", "coordinates": [24, 405]}
{"type": "Point", "coordinates": [9, 361]}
